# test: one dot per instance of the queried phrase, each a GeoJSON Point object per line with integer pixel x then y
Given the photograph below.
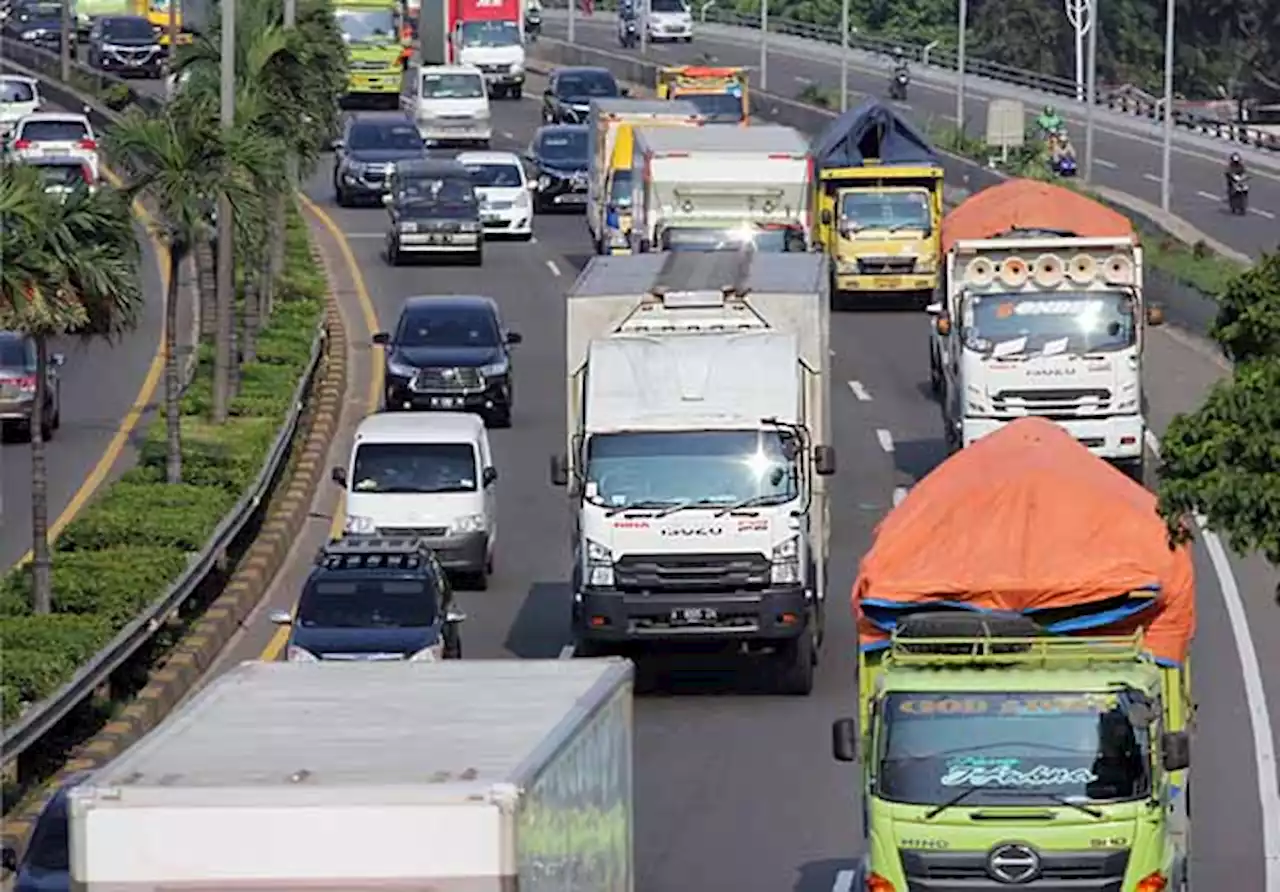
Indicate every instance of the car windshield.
{"type": "Point", "coordinates": [34, 11]}
{"type": "Point", "coordinates": [490, 34]}
{"type": "Point", "coordinates": [414, 468]}
{"type": "Point", "coordinates": [452, 86]}
{"type": "Point", "coordinates": [719, 108]}
{"type": "Point", "coordinates": [366, 25]}
{"type": "Point", "coordinates": [16, 353]}
{"type": "Point", "coordinates": [368, 604]}
{"type": "Point", "coordinates": [62, 175]}
{"type": "Point", "coordinates": [1009, 325]}
{"type": "Point", "coordinates": [497, 176]}
{"type": "Point", "coordinates": [427, 190]}
{"type": "Point", "coordinates": [1019, 749]}
{"type": "Point", "coordinates": [689, 467]}
{"type": "Point", "coordinates": [767, 240]}
{"type": "Point", "coordinates": [620, 190]}
{"type": "Point", "coordinates": [16, 91]}
{"type": "Point", "coordinates": [893, 211]}
{"type": "Point", "coordinates": [668, 6]}
{"type": "Point", "coordinates": [127, 29]}
{"type": "Point", "coordinates": [49, 848]}
{"type": "Point", "coordinates": [563, 146]}
{"type": "Point", "coordinates": [54, 131]}
{"type": "Point", "coordinates": [384, 136]}
{"type": "Point", "coordinates": [453, 327]}
{"type": "Point", "coordinates": [586, 83]}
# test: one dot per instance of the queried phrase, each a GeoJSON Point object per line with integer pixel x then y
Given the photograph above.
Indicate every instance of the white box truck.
{"type": "Point", "coordinates": [698, 424]}
{"type": "Point", "coordinates": [722, 188]}
{"type": "Point", "coordinates": [475, 776]}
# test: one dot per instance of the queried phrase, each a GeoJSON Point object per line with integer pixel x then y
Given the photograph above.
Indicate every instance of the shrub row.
{"type": "Point", "coordinates": [128, 546]}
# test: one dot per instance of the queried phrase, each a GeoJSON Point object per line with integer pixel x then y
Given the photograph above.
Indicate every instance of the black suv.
{"type": "Point", "coordinates": [560, 164]}
{"type": "Point", "coordinates": [567, 98]}
{"type": "Point", "coordinates": [374, 598]}
{"type": "Point", "coordinates": [365, 156]}
{"type": "Point", "coordinates": [434, 212]}
{"type": "Point", "coordinates": [450, 352]}
{"type": "Point", "coordinates": [126, 45]}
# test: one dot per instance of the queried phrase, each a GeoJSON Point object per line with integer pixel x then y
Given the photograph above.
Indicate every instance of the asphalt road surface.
{"type": "Point", "coordinates": [1127, 150]}
{"type": "Point", "coordinates": [736, 788]}
{"type": "Point", "coordinates": [100, 384]}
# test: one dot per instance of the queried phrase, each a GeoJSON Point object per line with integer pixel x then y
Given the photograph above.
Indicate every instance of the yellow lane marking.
{"type": "Point", "coordinates": [370, 317]}
{"type": "Point", "coordinates": [98, 475]}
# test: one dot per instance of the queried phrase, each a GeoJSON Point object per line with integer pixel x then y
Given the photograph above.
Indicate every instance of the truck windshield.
{"type": "Point", "coordinates": [713, 468]}
{"type": "Point", "coordinates": [894, 211]}
{"type": "Point", "coordinates": [1038, 748]}
{"type": "Point", "coordinates": [414, 468]}
{"type": "Point", "coordinates": [620, 189]}
{"type": "Point", "coordinates": [484, 34]}
{"type": "Point", "coordinates": [719, 108]}
{"type": "Point", "coordinates": [1006, 325]}
{"type": "Point", "coordinates": [766, 239]}
{"type": "Point", "coordinates": [366, 25]}
{"type": "Point", "coordinates": [367, 604]}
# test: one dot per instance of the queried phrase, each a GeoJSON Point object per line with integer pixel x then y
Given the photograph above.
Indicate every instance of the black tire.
{"type": "Point", "coordinates": [476, 259]}
{"type": "Point", "coordinates": [340, 197]}
{"type": "Point", "coordinates": [452, 643]}
{"type": "Point", "coordinates": [393, 255]}
{"type": "Point", "coordinates": [1135, 470]}
{"type": "Point", "coordinates": [798, 659]}
{"type": "Point", "coordinates": [501, 418]}
{"type": "Point", "coordinates": [57, 411]}
{"type": "Point", "coordinates": [935, 374]}
{"type": "Point", "coordinates": [479, 581]}
{"type": "Point", "coordinates": [517, 92]}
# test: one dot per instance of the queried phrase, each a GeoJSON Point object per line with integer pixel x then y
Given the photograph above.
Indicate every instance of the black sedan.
{"type": "Point", "coordinates": [569, 92]}
{"type": "Point", "coordinates": [450, 353]}
{"type": "Point", "coordinates": [365, 155]}
{"type": "Point", "coordinates": [560, 160]}
{"type": "Point", "coordinates": [38, 24]}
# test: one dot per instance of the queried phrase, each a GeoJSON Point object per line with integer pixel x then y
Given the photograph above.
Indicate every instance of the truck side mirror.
{"type": "Point", "coordinates": [824, 460]}
{"type": "Point", "coordinates": [489, 475]}
{"type": "Point", "coordinates": [339, 476]}
{"type": "Point", "coordinates": [624, 92]}
{"type": "Point", "coordinates": [826, 217]}
{"type": "Point", "coordinates": [382, 338]}
{"type": "Point", "coordinates": [559, 470]}
{"type": "Point", "coordinates": [1155, 316]}
{"type": "Point", "coordinates": [1175, 750]}
{"type": "Point", "coordinates": [844, 740]}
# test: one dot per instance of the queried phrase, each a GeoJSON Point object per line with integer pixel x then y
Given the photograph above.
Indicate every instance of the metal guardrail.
{"type": "Point", "coordinates": [41, 717]}
{"type": "Point", "coordinates": [1125, 99]}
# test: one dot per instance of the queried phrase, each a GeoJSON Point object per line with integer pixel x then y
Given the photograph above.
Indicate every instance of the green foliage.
{"type": "Point", "coordinates": [112, 584]}
{"type": "Point", "coordinates": [1248, 323]}
{"type": "Point", "coordinates": [42, 652]}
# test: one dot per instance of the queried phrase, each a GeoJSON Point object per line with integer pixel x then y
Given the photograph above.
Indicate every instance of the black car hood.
{"type": "Point", "coordinates": [440, 210]}
{"type": "Point", "coordinates": [448, 357]}
{"type": "Point", "coordinates": [383, 156]}
{"type": "Point", "coordinates": [24, 25]}
{"type": "Point", "coordinates": [562, 167]}
{"type": "Point", "coordinates": [320, 641]}
{"type": "Point", "coordinates": [132, 42]}
{"type": "Point", "coordinates": [583, 100]}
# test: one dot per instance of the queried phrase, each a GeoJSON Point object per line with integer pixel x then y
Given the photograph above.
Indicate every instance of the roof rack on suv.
{"type": "Point", "coordinates": [374, 553]}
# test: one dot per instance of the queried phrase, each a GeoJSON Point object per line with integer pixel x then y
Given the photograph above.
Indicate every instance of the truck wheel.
{"type": "Point", "coordinates": [452, 644]}
{"type": "Point", "coordinates": [935, 373]}
{"type": "Point", "coordinates": [516, 92]}
{"type": "Point", "coordinates": [1135, 470]}
{"type": "Point", "coordinates": [798, 657]}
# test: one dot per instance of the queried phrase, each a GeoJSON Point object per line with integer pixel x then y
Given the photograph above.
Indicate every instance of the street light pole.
{"type": "Point", "coordinates": [225, 270]}
{"type": "Point", "coordinates": [962, 27]}
{"type": "Point", "coordinates": [1081, 22]}
{"type": "Point", "coordinates": [64, 42]}
{"type": "Point", "coordinates": [644, 29]}
{"type": "Point", "coordinates": [1092, 91]}
{"type": "Point", "coordinates": [172, 32]}
{"type": "Point", "coordinates": [572, 18]}
{"type": "Point", "coordinates": [1166, 149]}
{"type": "Point", "coordinates": [844, 55]}
{"type": "Point", "coordinates": [764, 44]}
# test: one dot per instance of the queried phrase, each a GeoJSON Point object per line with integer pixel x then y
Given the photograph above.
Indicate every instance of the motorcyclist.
{"type": "Point", "coordinates": [533, 18]}
{"type": "Point", "coordinates": [1049, 122]}
{"type": "Point", "coordinates": [900, 65]}
{"type": "Point", "coordinates": [1235, 168]}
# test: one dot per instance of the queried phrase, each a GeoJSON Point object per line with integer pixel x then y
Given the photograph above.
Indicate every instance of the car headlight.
{"type": "Point", "coordinates": [494, 369]}
{"type": "Point", "coordinates": [31, 35]}
{"type": "Point", "coordinates": [599, 565]}
{"type": "Point", "coordinates": [482, 115]}
{"type": "Point", "coordinates": [359, 525]}
{"type": "Point", "coordinates": [522, 200]}
{"type": "Point", "coordinates": [469, 523]}
{"type": "Point", "coordinates": [785, 567]}
{"type": "Point", "coordinates": [517, 67]}
{"type": "Point", "coordinates": [295, 654]}
{"type": "Point", "coordinates": [409, 226]}
{"type": "Point", "coordinates": [544, 181]}
{"type": "Point", "coordinates": [469, 226]}
{"type": "Point", "coordinates": [431, 654]}
{"type": "Point", "coordinates": [400, 370]}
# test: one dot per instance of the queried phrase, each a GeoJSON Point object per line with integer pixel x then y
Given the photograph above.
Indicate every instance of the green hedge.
{"type": "Point", "coordinates": [128, 546]}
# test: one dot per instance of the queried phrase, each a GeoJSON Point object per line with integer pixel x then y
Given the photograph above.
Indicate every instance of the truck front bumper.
{"type": "Point", "coordinates": [603, 615]}
{"type": "Point", "coordinates": [380, 84]}
{"type": "Point", "coordinates": [864, 283]}
{"type": "Point", "coordinates": [1118, 438]}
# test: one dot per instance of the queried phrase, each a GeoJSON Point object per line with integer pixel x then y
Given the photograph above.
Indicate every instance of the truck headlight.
{"type": "Point", "coordinates": [599, 565]}
{"type": "Point", "coordinates": [431, 654]}
{"type": "Point", "coordinates": [469, 523]}
{"type": "Point", "coordinates": [1128, 400]}
{"type": "Point", "coordinates": [847, 267]}
{"type": "Point", "coordinates": [296, 654]}
{"type": "Point", "coordinates": [975, 402]}
{"type": "Point", "coordinates": [926, 264]}
{"type": "Point", "coordinates": [469, 226]}
{"type": "Point", "coordinates": [360, 525]}
{"type": "Point", "coordinates": [517, 67]}
{"type": "Point", "coordinates": [400, 370]}
{"type": "Point", "coordinates": [785, 569]}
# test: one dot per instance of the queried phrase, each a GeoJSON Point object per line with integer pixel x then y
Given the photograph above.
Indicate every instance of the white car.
{"type": "Point", "coordinates": [506, 207]}
{"type": "Point", "coordinates": [46, 135]}
{"type": "Point", "coordinates": [449, 103]}
{"type": "Point", "coordinates": [669, 20]}
{"type": "Point", "coordinates": [19, 97]}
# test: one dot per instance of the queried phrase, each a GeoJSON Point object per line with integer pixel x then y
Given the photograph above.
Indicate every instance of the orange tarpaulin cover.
{"type": "Point", "coordinates": [1027, 520]}
{"type": "Point", "coordinates": [1031, 204]}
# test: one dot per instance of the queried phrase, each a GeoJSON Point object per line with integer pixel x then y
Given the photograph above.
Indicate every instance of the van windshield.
{"type": "Point", "coordinates": [414, 468]}
{"type": "Point", "coordinates": [452, 86]}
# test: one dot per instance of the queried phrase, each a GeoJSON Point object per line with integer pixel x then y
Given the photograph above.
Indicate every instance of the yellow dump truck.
{"type": "Point", "coordinates": [879, 200]}
{"type": "Point", "coordinates": [612, 142]}
{"type": "Point", "coordinates": [157, 13]}
{"type": "Point", "coordinates": [719, 93]}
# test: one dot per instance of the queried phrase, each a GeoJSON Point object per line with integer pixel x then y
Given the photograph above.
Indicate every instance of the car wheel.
{"type": "Point", "coordinates": [799, 657]}
{"type": "Point", "coordinates": [477, 259]}
{"type": "Point", "coordinates": [340, 197]}
{"type": "Point", "coordinates": [452, 644]}
{"type": "Point", "coordinates": [517, 92]}
{"type": "Point", "coordinates": [500, 418]}
{"type": "Point", "coordinates": [57, 409]}
{"type": "Point", "coordinates": [393, 254]}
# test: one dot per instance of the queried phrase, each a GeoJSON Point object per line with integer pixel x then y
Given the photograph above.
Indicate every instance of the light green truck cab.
{"type": "Point", "coordinates": [990, 759]}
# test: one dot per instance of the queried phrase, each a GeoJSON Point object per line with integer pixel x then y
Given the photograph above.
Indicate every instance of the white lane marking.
{"type": "Point", "coordinates": [801, 79]}
{"type": "Point", "coordinates": [555, 270]}
{"type": "Point", "coordinates": [507, 134]}
{"type": "Point", "coordinates": [844, 881]}
{"type": "Point", "coordinates": [899, 493]}
{"type": "Point", "coordinates": [566, 652]}
{"type": "Point", "coordinates": [1209, 195]}
{"type": "Point", "coordinates": [1262, 213]}
{"type": "Point", "coordinates": [1255, 694]}
{"type": "Point", "coordinates": [859, 392]}
{"type": "Point", "coordinates": [1103, 162]}
{"type": "Point", "coordinates": [1152, 177]}
{"type": "Point", "coordinates": [885, 438]}
{"type": "Point", "coordinates": [533, 239]}
{"type": "Point", "coordinates": [378, 235]}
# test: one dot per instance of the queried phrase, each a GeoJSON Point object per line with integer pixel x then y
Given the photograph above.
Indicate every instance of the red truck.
{"type": "Point", "coordinates": [488, 34]}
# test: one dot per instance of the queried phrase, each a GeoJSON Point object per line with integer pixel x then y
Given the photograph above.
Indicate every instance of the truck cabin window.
{"type": "Point", "coordinates": [488, 34]}
{"type": "Point", "coordinates": [398, 468]}
{"type": "Point", "coordinates": [620, 189]}
{"type": "Point", "coordinates": [1013, 749]}
{"type": "Point", "coordinates": [366, 25]}
{"type": "Point", "coordinates": [718, 108]}
{"type": "Point", "coordinates": [881, 211]}
{"type": "Point", "coordinates": [766, 239]}
{"type": "Point", "coordinates": [368, 604]}
{"type": "Point", "coordinates": [690, 468]}
{"type": "Point", "coordinates": [1078, 323]}
{"type": "Point", "coordinates": [452, 86]}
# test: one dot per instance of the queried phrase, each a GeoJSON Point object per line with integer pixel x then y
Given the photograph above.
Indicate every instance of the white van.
{"type": "Point", "coordinates": [449, 103]}
{"type": "Point", "coordinates": [428, 475]}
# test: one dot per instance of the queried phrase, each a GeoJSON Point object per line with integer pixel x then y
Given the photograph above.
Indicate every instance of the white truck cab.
{"type": "Point", "coordinates": [449, 103]}
{"type": "Point", "coordinates": [428, 475]}
{"type": "Point", "coordinates": [496, 47]}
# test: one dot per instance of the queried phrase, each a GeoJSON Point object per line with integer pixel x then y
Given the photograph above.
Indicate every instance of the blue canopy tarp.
{"type": "Point", "coordinates": [871, 131]}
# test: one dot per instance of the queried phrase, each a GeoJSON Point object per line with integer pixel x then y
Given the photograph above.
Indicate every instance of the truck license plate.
{"type": "Point", "coordinates": [693, 616]}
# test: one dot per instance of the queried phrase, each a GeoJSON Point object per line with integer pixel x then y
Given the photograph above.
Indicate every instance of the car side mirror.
{"type": "Point", "coordinates": [281, 617]}
{"type": "Point", "coordinates": [453, 616]}
{"type": "Point", "coordinates": [336, 144]}
{"type": "Point", "coordinates": [382, 338]}
{"type": "Point", "coordinates": [548, 93]}
{"type": "Point", "coordinates": [559, 470]}
{"type": "Point", "coordinates": [514, 337]}
{"type": "Point", "coordinates": [9, 859]}
{"type": "Point", "coordinates": [1155, 316]}
{"type": "Point", "coordinates": [844, 740]}
{"type": "Point", "coordinates": [387, 200]}
{"type": "Point", "coordinates": [824, 460]}
{"type": "Point", "coordinates": [826, 217]}
{"type": "Point", "coordinates": [339, 476]}
{"type": "Point", "coordinates": [58, 360]}
{"type": "Point", "coordinates": [1175, 750]}
{"type": "Point", "coordinates": [489, 475]}
{"type": "Point", "coordinates": [532, 186]}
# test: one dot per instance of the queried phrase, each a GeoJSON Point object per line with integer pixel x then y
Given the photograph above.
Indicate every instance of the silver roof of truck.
{"type": "Point", "coordinates": [369, 724]}
{"type": "Point", "coordinates": [756, 139]}
{"type": "Point", "coordinates": [638, 274]}
{"type": "Point", "coordinates": [628, 106]}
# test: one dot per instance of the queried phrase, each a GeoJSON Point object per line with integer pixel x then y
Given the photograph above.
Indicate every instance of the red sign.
{"type": "Point", "coordinates": [487, 10]}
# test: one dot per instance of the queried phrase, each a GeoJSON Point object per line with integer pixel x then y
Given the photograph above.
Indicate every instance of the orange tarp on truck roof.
{"type": "Point", "coordinates": [1027, 520]}
{"type": "Point", "coordinates": [1031, 205]}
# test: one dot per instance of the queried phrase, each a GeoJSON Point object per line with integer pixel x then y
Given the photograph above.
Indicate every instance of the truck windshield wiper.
{"type": "Point", "coordinates": [954, 800]}
{"type": "Point", "coordinates": [753, 502]}
{"type": "Point", "coordinates": [1055, 797]}
{"type": "Point", "coordinates": [648, 505]}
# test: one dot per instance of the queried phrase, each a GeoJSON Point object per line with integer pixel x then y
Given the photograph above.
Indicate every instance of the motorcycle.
{"type": "Point", "coordinates": [629, 35]}
{"type": "Point", "coordinates": [1063, 165]}
{"type": "Point", "coordinates": [898, 84]}
{"type": "Point", "coordinates": [1238, 193]}
{"type": "Point", "coordinates": [533, 25]}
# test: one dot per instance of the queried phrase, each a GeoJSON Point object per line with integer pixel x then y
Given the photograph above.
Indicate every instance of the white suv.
{"type": "Point", "coordinates": [46, 135]}
{"type": "Point", "coordinates": [506, 207]}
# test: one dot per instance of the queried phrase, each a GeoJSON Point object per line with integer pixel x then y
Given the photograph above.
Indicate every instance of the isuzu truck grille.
{"type": "Point", "coordinates": [690, 572]}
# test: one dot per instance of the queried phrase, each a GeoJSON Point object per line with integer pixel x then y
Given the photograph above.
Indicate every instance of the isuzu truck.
{"type": "Point", "coordinates": [483, 776]}
{"type": "Point", "coordinates": [719, 93]}
{"type": "Point", "coordinates": [485, 34]}
{"type": "Point", "coordinates": [697, 455]}
{"type": "Point", "coordinates": [1043, 313]}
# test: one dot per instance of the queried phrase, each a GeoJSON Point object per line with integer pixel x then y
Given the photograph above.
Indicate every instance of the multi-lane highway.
{"type": "Point", "coordinates": [736, 789]}
{"type": "Point", "coordinates": [1127, 148]}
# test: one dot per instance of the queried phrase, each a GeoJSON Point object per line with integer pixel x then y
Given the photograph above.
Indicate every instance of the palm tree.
{"type": "Point", "coordinates": [71, 266]}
